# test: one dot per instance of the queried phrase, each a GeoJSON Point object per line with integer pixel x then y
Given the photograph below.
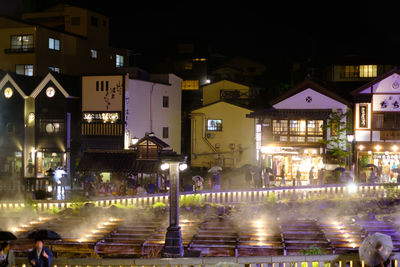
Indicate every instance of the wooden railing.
{"type": "Point", "coordinates": [232, 197]}
{"type": "Point", "coordinates": [274, 261]}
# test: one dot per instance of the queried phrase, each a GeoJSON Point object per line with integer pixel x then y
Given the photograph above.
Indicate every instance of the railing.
{"type": "Point", "coordinates": [231, 197]}
{"type": "Point", "coordinates": [274, 261]}
{"type": "Point", "coordinates": [20, 49]}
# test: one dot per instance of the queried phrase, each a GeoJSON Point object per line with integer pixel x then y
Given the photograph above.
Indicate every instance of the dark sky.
{"type": "Point", "coordinates": [265, 30]}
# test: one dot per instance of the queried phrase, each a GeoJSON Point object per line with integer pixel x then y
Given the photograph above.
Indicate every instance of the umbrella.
{"type": "Point", "coordinates": [5, 236]}
{"type": "Point", "coordinates": [369, 165]}
{"type": "Point", "coordinates": [268, 169]}
{"type": "Point", "coordinates": [194, 178]}
{"type": "Point", "coordinates": [375, 249]}
{"type": "Point", "coordinates": [396, 170]}
{"type": "Point", "coordinates": [215, 169]}
{"type": "Point", "coordinates": [245, 166]}
{"type": "Point", "coordinates": [340, 169]}
{"type": "Point", "coordinates": [44, 234]}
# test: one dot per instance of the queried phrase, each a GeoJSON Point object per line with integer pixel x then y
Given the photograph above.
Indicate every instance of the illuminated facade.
{"type": "Point", "coordinates": [35, 124]}
{"type": "Point", "coordinates": [288, 134]}
{"type": "Point", "coordinates": [377, 125]}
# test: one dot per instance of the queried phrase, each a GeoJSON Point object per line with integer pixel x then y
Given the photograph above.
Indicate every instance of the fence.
{"type": "Point", "coordinates": [274, 261]}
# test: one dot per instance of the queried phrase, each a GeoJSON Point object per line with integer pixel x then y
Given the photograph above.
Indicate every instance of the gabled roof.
{"type": "Point", "coordinates": [306, 84]}
{"type": "Point", "coordinates": [378, 79]}
{"type": "Point", "coordinates": [23, 84]}
{"type": "Point", "coordinates": [49, 77]}
{"type": "Point", "coordinates": [222, 101]}
{"type": "Point", "coordinates": [154, 139]}
{"type": "Point", "coordinates": [221, 81]}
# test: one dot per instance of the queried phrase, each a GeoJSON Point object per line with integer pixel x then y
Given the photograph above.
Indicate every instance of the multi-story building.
{"type": "Point", "coordinates": [377, 124]}
{"type": "Point", "coordinates": [288, 135]}
{"type": "Point", "coordinates": [36, 115]}
{"type": "Point", "coordinates": [64, 38]}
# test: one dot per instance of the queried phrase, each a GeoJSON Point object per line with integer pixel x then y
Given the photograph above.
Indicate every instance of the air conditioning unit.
{"type": "Point", "coordinates": [210, 135]}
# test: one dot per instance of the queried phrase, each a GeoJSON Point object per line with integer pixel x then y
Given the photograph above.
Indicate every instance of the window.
{"type": "Point", "coordinates": [75, 21]}
{"type": "Point", "coordinates": [314, 127]}
{"type": "Point", "coordinates": [93, 53]}
{"type": "Point", "coordinates": [165, 132]}
{"type": "Point", "coordinates": [51, 126]}
{"type": "Point", "coordinates": [301, 139]}
{"type": "Point", "coordinates": [188, 65]}
{"type": "Point", "coordinates": [360, 71]}
{"type": "Point", "coordinates": [22, 42]}
{"type": "Point", "coordinates": [10, 127]}
{"type": "Point", "coordinates": [119, 61]}
{"type": "Point", "coordinates": [26, 70]}
{"type": "Point", "coordinates": [104, 23]}
{"type": "Point", "coordinates": [94, 21]}
{"type": "Point", "coordinates": [297, 127]}
{"type": "Point", "coordinates": [54, 44]}
{"type": "Point", "coordinates": [55, 69]}
{"type": "Point", "coordinates": [165, 101]}
{"type": "Point", "coordinates": [368, 71]}
{"type": "Point", "coordinates": [190, 85]}
{"type": "Point", "coordinates": [377, 121]}
{"type": "Point", "coordinates": [314, 139]}
{"type": "Point", "coordinates": [214, 125]}
{"type": "Point", "coordinates": [279, 127]}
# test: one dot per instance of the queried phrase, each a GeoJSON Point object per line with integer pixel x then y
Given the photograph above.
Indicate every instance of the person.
{"type": "Point", "coordinates": [217, 185]}
{"type": "Point", "coordinates": [311, 175]}
{"type": "Point", "coordinates": [373, 175]}
{"type": "Point", "coordinates": [283, 181]}
{"type": "Point", "coordinates": [151, 188]}
{"type": "Point", "coordinates": [7, 258]}
{"type": "Point", "coordinates": [40, 256]}
{"type": "Point", "coordinates": [321, 176]}
{"type": "Point", "coordinates": [198, 184]}
{"type": "Point", "coordinates": [298, 177]}
{"type": "Point", "coordinates": [266, 178]}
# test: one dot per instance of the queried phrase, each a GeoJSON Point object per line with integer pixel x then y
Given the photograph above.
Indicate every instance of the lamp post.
{"type": "Point", "coordinates": [173, 247]}
{"type": "Point", "coordinates": [350, 139]}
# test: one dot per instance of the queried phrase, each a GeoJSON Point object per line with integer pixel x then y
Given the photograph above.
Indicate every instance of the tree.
{"type": "Point", "coordinates": [337, 140]}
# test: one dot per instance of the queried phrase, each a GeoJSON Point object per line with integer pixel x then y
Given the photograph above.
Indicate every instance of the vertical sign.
{"type": "Point", "coordinates": [363, 117]}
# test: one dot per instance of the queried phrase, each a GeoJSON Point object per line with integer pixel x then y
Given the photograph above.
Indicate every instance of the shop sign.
{"type": "Point", "coordinates": [384, 156]}
{"type": "Point", "coordinates": [101, 116]}
{"type": "Point", "coordinates": [390, 135]}
{"type": "Point", "coordinates": [386, 103]}
{"type": "Point", "coordinates": [363, 117]}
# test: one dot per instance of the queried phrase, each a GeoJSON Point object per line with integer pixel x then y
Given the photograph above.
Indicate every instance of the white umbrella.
{"type": "Point", "coordinates": [375, 249]}
{"type": "Point", "coordinates": [215, 169]}
{"type": "Point", "coordinates": [194, 178]}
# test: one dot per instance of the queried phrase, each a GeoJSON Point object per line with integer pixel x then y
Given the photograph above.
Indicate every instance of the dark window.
{"type": "Point", "coordinates": [97, 85]}
{"type": "Point", "coordinates": [94, 21]}
{"type": "Point", "coordinates": [106, 85]}
{"type": "Point", "coordinates": [75, 21]}
{"type": "Point", "coordinates": [165, 132]}
{"type": "Point", "coordinates": [26, 70]}
{"type": "Point", "coordinates": [102, 85]}
{"type": "Point", "coordinates": [165, 102]}
{"type": "Point", "coordinates": [390, 120]}
{"type": "Point", "coordinates": [214, 125]}
{"type": "Point", "coordinates": [10, 128]}
{"type": "Point", "coordinates": [104, 23]}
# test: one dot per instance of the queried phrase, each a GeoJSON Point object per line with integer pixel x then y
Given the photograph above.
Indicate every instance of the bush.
{"type": "Point", "coordinates": [271, 198]}
{"type": "Point", "coordinates": [191, 201]}
{"type": "Point", "coordinates": [312, 251]}
{"type": "Point", "coordinates": [159, 205]}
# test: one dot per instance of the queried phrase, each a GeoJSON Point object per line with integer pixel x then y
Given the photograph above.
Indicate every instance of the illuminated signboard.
{"type": "Point", "coordinates": [363, 117]}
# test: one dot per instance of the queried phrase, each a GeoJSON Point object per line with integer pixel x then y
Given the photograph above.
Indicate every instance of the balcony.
{"type": "Point", "coordinates": [20, 49]}
{"type": "Point", "coordinates": [390, 134]}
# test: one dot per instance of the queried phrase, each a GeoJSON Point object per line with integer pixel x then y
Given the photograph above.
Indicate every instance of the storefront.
{"type": "Point", "coordinates": [49, 160]}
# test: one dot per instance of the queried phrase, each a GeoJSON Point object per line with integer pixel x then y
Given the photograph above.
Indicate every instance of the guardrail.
{"type": "Point", "coordinates": [274, 261]}
{"type": "Point", "coordinates": [229, 197]}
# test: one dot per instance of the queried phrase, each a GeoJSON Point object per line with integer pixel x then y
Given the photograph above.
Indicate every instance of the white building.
{"type": "Point", "coordinates": [154, 106]}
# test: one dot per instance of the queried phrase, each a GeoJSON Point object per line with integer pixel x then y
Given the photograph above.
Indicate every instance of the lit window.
{"type": "Point", "coordinates": [279, 127]}
{"type": "Point", "coordinates": [55, 69]}
{"type": "Point", "coordinates": [199, 59]}
{"type": "Point", "coordinates": [26, 70]}
{"type": "Point", "coordinates": [188, 65]}
{"type": "Point", "coordinates": [368, 71]}
{"type": "Point", "coordinates": [190, 85]}
{"type": "Point", "coordinates": [119, 61]}
{"type": "Point", "coordinates": [314, 127]}
{"type": "Point", "coordinates": [214, 125]}
{"type": "Point", "coordinates": [165, 132]}
{"type": "Point", "coordinates": [93, 53]}
{"type": "Point", "coordinates": [22, 42]}
{"type": "Point", "coordinates": [298, 127]}
{"type": "Point", "coordinates": [54, 44]}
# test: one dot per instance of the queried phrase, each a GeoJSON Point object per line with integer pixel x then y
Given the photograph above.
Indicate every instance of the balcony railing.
{"type": "Point", "coordinates": [20, 49]}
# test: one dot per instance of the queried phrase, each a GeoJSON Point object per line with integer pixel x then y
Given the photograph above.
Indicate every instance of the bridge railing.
{"type": "Point", "coordinates": [351, 260]}
{"type": "Point", "coordinates": [231, 197]}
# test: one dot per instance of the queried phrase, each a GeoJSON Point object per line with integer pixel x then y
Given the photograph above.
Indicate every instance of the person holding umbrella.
{"type": "Point", "coordinates": [40, 256]}
{"type": "Point", "coordinates": [7, 258]}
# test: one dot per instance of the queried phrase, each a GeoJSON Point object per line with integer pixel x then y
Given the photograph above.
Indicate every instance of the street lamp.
{"type": "Point", "coordinates": [350, 139]}
{"type": "Point", "coordinates": [173, 247]}
{"type": "Point", "coordinates": [134, 140]}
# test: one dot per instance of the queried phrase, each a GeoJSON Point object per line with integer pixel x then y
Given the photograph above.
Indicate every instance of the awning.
{"type": "Point", "coordinates": [117, 161]}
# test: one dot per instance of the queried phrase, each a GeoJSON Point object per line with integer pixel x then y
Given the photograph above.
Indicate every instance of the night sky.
{"type": "Point", "coordinates": [276, 34]}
